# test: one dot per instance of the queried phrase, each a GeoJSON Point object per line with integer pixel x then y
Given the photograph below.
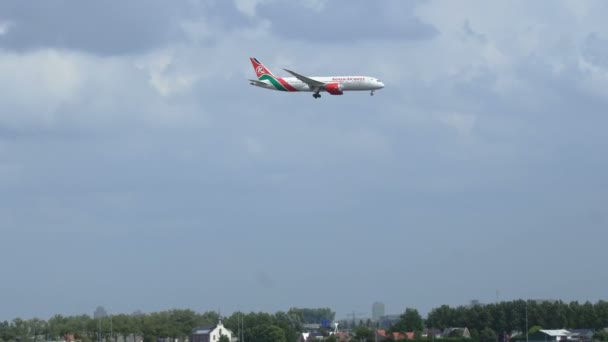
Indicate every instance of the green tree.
{"type": "Point", "coordinates": [410, 320]}
{"type": "Point", "coordinates": [5, 331]}
{"type": "Point", "coordinates": [37, 329]}
{"type": "Point", "coordinates": [363, 333]}
{"type": "Point", "coordinates": [457, 333]}
{"type": "Point", "coordinates": [20, 329]}
{"type": "Point", "coordinates": [601, 335]}
{"type": "Point", "coordinates": [265, 333]}
{"type": "Point", "coordinates": [313, 316]}
{"type": "Point", "coordinates": [290, 324]}
{"type": "Point", "coordinates": [57, 326]}
{"type": "Point", "coordinates": [224, 338]}
{"type": "Point", "coordinates": [441, 317]}
{"type": "Point", "coordinates": [487, 335]}
{"type": "Point", "coordinates": [498, 317]}
{"type": "Point", "coordinates": [124, 325]}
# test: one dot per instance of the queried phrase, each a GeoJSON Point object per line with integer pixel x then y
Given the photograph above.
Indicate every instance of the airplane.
{"type": "Point", "coordinates": [334, 85]}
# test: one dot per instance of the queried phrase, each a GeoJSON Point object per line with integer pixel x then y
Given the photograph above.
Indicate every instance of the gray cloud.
{"type": "Point", "coordinates": [96, 27]}
{"type": "Point", "coordinates": [341, 22]}
{"type": "Point", "coordinates": [471, 33]}
{"type": "Point", "coordinates": [595, 50]}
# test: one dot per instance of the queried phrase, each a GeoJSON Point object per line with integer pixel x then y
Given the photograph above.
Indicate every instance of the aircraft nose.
{"type": "Point", "coordinates": [380, 84]}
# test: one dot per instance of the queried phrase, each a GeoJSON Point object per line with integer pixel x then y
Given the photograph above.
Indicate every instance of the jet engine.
{"type": "Point", "coordinates": [334, 88]}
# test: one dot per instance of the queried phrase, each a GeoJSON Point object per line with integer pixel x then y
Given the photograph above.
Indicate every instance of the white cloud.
{"type": "Point", "coordinates": [164, 75]}
{"type": "Point", "coordinates": [596, 80]}
{"type": "Point", "coordinates": [61, 88]}
{"type": "Point", "coordinates": [316, 5]}
{"type": "Point", "coordinates": [37, 83]}
{"type": "Point", "coordinates": [198, 30]}
{"type": "Point", "coordinates": [4, 27]}
{"type": "Point", "coordinates": [248, 7]}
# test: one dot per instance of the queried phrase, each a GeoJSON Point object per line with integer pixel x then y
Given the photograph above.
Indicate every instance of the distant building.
{"type": "Point", "coordinates": [387, 321]}
{"type": "Point", "coordinates": [100, 312]}
{"type": "Point", "coordinates": [311, 336]}
{"type": "Point", "coordinates": [543, 301]}
{"type": "Point", "coordinates": [431, 333]}
{"type": "Point", "coordinates": [475, 302]}
{"type": "Point", "coordinates": [550, 335]}
{"type": "Point", "coordinates": [309, 327]}
{"type": "Point", "coordinates": [377, 311]}
{"type": "Point", "coordinates": [211, 333]}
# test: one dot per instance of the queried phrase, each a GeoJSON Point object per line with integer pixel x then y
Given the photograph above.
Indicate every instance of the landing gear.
{"type": "Point", "coordinates": [371, 93]}
{"type": "Point", "coordinates": [316, 95]}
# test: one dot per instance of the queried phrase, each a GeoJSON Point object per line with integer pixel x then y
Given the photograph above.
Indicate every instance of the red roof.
{"type": "Point", "coordinates": [395, 335]}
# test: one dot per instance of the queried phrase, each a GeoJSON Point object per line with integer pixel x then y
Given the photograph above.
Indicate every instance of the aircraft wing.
{"type": "Point", "coordinates": [313, 84]}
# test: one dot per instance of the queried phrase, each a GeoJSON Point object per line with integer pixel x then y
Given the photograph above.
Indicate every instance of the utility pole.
{"type": "Point", "coordinates": [354, 315]}
{"type": "Point", "coordinates": [527, 321]}
{"type": "Point", "coordinates": [241, 324]}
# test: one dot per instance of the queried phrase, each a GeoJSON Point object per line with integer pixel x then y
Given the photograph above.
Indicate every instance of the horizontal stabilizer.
{"type": "Point", "coordinates": [258, 83]}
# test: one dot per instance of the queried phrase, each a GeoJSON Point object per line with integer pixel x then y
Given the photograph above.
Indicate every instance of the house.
{"type": "Point", "coordinates": [211, 333]}
{"type": "Point", "coordinates": [311, 327]}
{"type": "Point", "coordinates": [311, 336]}
{"type": "Point", "coordinates": [129, 338]}
{"type": "Point", "coordinates": [383, 335]}
{"type": "Point", "coordinates": [456, 332]}
{"type": "Point", "coordinates": [343, 336]}
{"type": "Point", "coordinates": [431, 333]}
{"type": "Point", "coordinates": [581, 334]}
{"type": "Point", "coordinates": [550, 335]}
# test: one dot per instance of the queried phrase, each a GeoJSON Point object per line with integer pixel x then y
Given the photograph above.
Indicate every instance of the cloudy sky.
{"type": "Point", "coordinates": [139, 170]}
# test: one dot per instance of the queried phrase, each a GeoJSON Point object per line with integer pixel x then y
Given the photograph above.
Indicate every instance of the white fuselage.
{"type": "Point", "coordinates": [347, 83]}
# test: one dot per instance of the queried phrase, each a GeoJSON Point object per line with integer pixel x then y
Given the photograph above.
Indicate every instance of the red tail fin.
{"type": "Point", "coordinates": [259, 68]}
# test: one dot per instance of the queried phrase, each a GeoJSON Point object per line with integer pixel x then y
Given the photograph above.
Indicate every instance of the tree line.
{"type": "Point", "coordinates": [511, 316]}
{"type": "Point", "coordinates": [513, 319]}
{"type": "Point", "coordinates": [485, 322]}
{"type": "Point", "coordinates": [171, 324]}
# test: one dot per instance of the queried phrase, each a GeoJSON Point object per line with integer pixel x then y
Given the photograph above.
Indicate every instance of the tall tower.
{"type": "Point", "coordinates": [377, 311]}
